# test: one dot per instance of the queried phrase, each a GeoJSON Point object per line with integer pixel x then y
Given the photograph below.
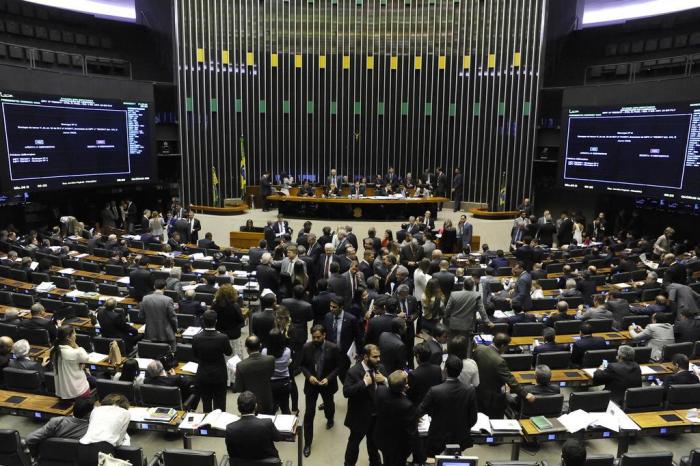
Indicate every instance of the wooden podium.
{"type": "Point", "coordinates": [245, 239]}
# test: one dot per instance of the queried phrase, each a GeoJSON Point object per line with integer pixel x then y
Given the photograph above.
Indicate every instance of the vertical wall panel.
{"type": "Point", "coordinates": [359, 86]}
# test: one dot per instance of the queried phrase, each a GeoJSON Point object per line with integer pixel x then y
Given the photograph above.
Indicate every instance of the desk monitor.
{"type": "Point", "coordinates": [456, 460]}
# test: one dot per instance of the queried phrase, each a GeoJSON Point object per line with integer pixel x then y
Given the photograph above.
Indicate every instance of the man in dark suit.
{"type": "Point", "coordinates": [543, 385]}
{"type": "Point", "coordinates": [113, 325]}
{"type": "Point", "coordinates": [207, 242]}
{"type": "Point", "coordinates": [265, 190]}
{"type": "Point", "coordinates": [39, 320]}
{"type": "Point", "coordinates": [466, 235]}
{"type": "Point", "coordinates": [300, 313]}
{"type": "Point", "coordinates": [384, 314]}
{"type": "Point", "coordinates": [681, 372]}
{"type": "Point", "coordinates": [255, 254]}
{"type": "Point", "coordinates": [411, 254]}
{"type": "Point", "coordinates": [585, 343]}
{"type": "Point", "coordinates": [131, 215]}
{"type": "Point", "coordinates": [140, 280]}
{"type": "Point", "coordinates": [446, 278]}
{"type": "Point", "coordinates": [254, 374]}
{"type": "Point", "coordinates": [561, 315]}
{"type": "Point", "coordinates": [210, 348]}
{"type": "Point", "coordinates": [307, 190]}
{"type": "Point", "coordinates": [281, 227]}
{"type": "Point", "coordinates": [549, 345]}
{"type": "Point", "coordinates": [434, 339]}
{"type": "Point", "coordinates": [366, 264]}
{"type": "Point", "coordinates": [546, 232]}
{"type": "Point", "coordinates": [373, 240]}
{"type": "Point", "coordinates": [587, 286]}
{"type": "Point", "coordinates": [193, 227]}
{"type": "Point", "coordinates": [251, 438]}
{"type": "Point", "coordinates": [262, 321]}
{"type": "Point", "coordinates": [520, 293]}
{"type": "Point", "coordinates": [360, 388]}
{"type": "Point", "coordinates": [452, 410]}
{"type": "Point", "coordinates": [350, 236]}
{"type": "Point", "coordinates": [344, 285]}
{"type": "Point", "coordinates": [565, 233]}
{"type": "Point", "coordinates": [357, 190]}
{"type": "Point", "coordinates": [424, 376]}
{"type": "Point", "coordinates": [440, 184]}
{"type": "Point", "coordinates": [687, 328]}
{"type": "Point", "coordinates": [323, 264]}
{"type": "Point", "coordinates": [618, 307]}
{"type": "Point", "coordinates": [457, 189]}
{"type": "Point", "coordinates": [266, 275]}
{"type": "Point", "coordinates": [321, 361]}
{"type": "Point", "coordinates": [493, 375]}
{"type": "Point", "coordinates": [321, 303]}
{"type": "Point", "coordinates": [396, 430]}
{"type": "Point", "coordinates": [343, 329]}
{"type": "Point", "coordinates": [620, 375]}
{"type": "Point", "coordinates": [409, 312]}
{"type": "Point", "coordinates": [175, 242]}
{"type": "Point", "coordinates": [392, 346]}
{"type": "Point", "coordinates": [334, 178]}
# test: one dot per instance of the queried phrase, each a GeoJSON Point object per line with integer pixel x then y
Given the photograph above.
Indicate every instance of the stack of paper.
{"type": "Point", "coordinates": [94, 358]}
{"type": "Point", "coordinates": [67, 271]}
{"type": "Point", "coordinates": [483, 425]}
{"type": "Point", "coordinates": [218, 419]}
{"type": "Point", "coordinates": [505, 426]}
{"type": "Point", "coordinates": [143, 363]}
{"type": "Point", "coordinates": [191, 420]}
{"type": "Point", "coordinates": [191, 331]}
{"type": "Point", "coordinates": [190, 367]}
{"type": "Point", "coordinates": [45, 287]}
{"type": "Point", "coordinates": [424, 424]}
{"type": "Point", "coordinates": [138, 414]}
{"type": "Point", "coordinates": [285, 423]}
{"type": "Point", "coordinates": [124, 280]}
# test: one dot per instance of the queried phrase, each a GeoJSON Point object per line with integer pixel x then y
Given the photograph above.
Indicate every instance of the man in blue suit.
{"type": "Point", "coordinates": [520, 294]}
{"type": "Point", "coordinates": [466, 235]}
{"type": "Point", "coordinates": [343, 329]}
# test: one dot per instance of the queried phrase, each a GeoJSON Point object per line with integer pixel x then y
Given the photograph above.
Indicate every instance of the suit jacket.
{"type": "Point", "coordinates": [254, 256]}
{"type": "Point", "coordinates": [332, 362]}
{"type": "Point", "coordinates": [158, 311]}
{"type": "Point", "coordinates": [40, 323]}
{"type": "Point", "coordinates": [461, 309]}
{"type": "Point", "coordinates": [254, 374]}
{"type": "Point", "coordinates": [681, 378]}
{"type": "Point", "coordinates": [193, 231]}
{"type": "Point", "coordinates": [321, 263]}
{"type": "Point", "coordinates": [447, 281]}
{"type": "Point", "coordinates": [251, 438]}
{"type": "Point", "coordinates": [267, 278]}
{"type": "Point", "coordinates": [141, 282]}
{"type": "Point", "coordinates": [265, 186]}
{"type": "Point", "coordinates": [522, 291]}
{"type": "Point", "coordinates": [360, 190]}
{"type": "Point", "coordinates": [619, 309]}
{"type": "Point", "coordinates": [545, 233]}
{"type": "Point", "coordinates": [113, 324]}
{"type": "Point", "coordinates": [174, 245]}
{"type": "Point", "coordinates": [618, 377]}
{"type": "Point", "coordinates": [547, 348]}
{"type": "Point", "coordinates": [360, 397]}
{"type": "Point", "coordinates": [493, 374]}
{"type": "Point", "coordinates": [467, 233]}
{"type": "Point", "coordinates": [453, 411]}
{"type": "Point", "coordinates": [261, 322]}
{"type": "Point", "coordinates": [411, 253]}
{"type": "Point", "coordinates": [366, 269]}
{"type": "Point", "coordinates": [321, 305]}
{"type": "Point", "coordinates": [349, 331]}
{"type": "Point", "coordinates": [393, 352]}
{"type": "Point", "coordinates": [376, 326]}
{"type": "Point", "coordinates": [207, 244]}
{"type": "Point", "coordinates": [300, 313]}
{"type": "Point", "coordinates": [277, 229]}
{"type": "Point", "coordinates": [687, 330]}
{"type": "Point", "coordinates": [579, 347]}
{"type": "Point", "coordinates": [352, 239]}
{"type": "Point", "coordinates": [421, 379]}
{"type": "Point", "coordinates": [397, 421]}
{"type": "Point", "coordinates": [210, 347]}
{"type": "Point", "coordinates": [565, 235]}
{"type": "Point", "coordinates": [340, 285]}
{"type": "Point", "coordinates": [457, 184]}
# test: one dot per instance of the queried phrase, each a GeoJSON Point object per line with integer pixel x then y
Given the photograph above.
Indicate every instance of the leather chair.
{"type": "Point", "coordinates": [113, 269]}
{"type": "Point", "coordinates": [642, 399]}
{"type": "Point", "coordinates": [101, 345]}
{"type": "Point", "coordinates": [544, 304]}
{"type": "Point", "coordinates": [693, 459]}
{"type": "Point", "coordinates": [548, 283]}
{"type": "Point", "coordinates": [86, 286]}
{"type": "Point", "coordinates": [6, 298]}
{"type": "Point", "coordinates": [567, 327]}
{"type": "Point", "coordinates": [554, 267]}
{"type": "Point", "coordinates": [544, 405]}
{"type": "Point", "coordinates": [518, 362]}
{"type": "Point", "coordinates": [151, 350]}
{"type": "Point", "coordinates": [22, 380]}
{"type": "Point", "coordinates": [107, 386]}
{"type": "Point", "coordinates": [683, 396]}
{"type": "Point", "coordinates": [9, 330]}
{"type": "Point", "coordinates": [592, 402]}
{"type": "Point", "coordinates": [92, 267]}
{"type": "Point", "coordinates": [207, 298]}
{"type": "Point", "coordinates": [674, 348]}
{"type": "Point", "coordinates": [555, 359]}
{"type": "Point", "coordinates": [38, 277]}
{"type": "Point", "coordinates": [160, 396]}
{"type": "Point", "coordinates": [622, 277]}
{"type": "Point", "coordinates": [642, 354]}
{"type": "Point", "coordinates": [660, 458]}
{"type": "Point", "coordinates": [650, 295]}
{"type": "Point", "coordinates": [35, 336]}
{"type": "Point", "coordinates": [504, 271]}
{"type": "Point", "coordinates": [61, 282]}
{"type": "Point", "coordinates": [19, 275]}
{"type": "Point", "coordinates": [600, 460]}
{"type": "Point", "coordinates": [594, 358]}
{"type": "Point", "coordinates": [528, 329]}
{"type": "Point", "coordinates": [109, 290]}
{"type": "Point", "coordinates": [573, 301]}
{"type": "Point", "coordinates": [186, 320]}
{"type": "Point", "coordinates": [184, 353]}
{"type": "Point", "coordinates": [182, 457]}
{"type": "Point", "coordinates": [84, 341]}
{"type": "Point", "coordinates": [25, 301]}
{"type": "Point", "coordinates": [58, 452]}
{"type": "Point", "coordinates": [11, 451]}
{"type": "Point", "coordinates": [637, 319]}
{"type": "Point", "coordinates": [243, 462]}
{"type": "Point", "coordinates": [50, 383]}
{"type": "Point", "coordinates": [601, 325]}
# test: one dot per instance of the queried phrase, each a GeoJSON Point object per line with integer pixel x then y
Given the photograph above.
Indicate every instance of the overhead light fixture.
{"type": "Point", "coordinates": [632, 10]}
{"type": "Point", "coordinates": [122, 9]}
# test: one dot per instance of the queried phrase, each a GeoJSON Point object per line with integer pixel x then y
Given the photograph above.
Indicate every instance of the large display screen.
{"type": "Point", "coordinates": [56, 142]}
{"type": "Point", "coordinates": [648, 150]}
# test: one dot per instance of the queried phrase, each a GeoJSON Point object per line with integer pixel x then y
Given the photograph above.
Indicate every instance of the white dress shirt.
{"type": "Point", "coordinates": [108, 424]}
{"type": "Point", "coordinates": [71, 381]}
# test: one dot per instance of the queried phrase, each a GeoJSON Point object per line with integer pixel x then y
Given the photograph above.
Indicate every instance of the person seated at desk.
{"type": "Point", "coordinates": [687, 327]}
{"type": "Point", "coordinates": [130, 372]}
{"type": "Point", "coordinates": [113, 325]}
{"type": "Point", "coordinates": [562, 314]}
{"type": "Point", "coordinates": [682, 375]}
{"type": "Point", "coordinates": [518, 317]}
{"type": "Point", "coordinates": [5, 355]}
{"type": "Point", "coordinates": [22, 361]}
{"type": "Point", "coordinates": [585, 343]}
{"type": "Point", "coordinates": [189, 305]}
{"type": "Point", "coordinates": [657, 334]}
{"type": "Point", "coordinates": [248, 226]}
{"type": "Point", "coordinates": [357, 190]}
{"type": "Point", "coordinates": [306, 190]}
{"type": "Point", "coordinates": [157, 375]}
{"type": "Point", "coordinates": [69, 427]}
{"type": "Point", "coordinates": [39, 321]}
{"type": "Point", "coordinates": [570, 291]}
{"type": "Point", "coordinates": [209, 285]}
{"type": "Point", "coordinates": [549, 345]}
{"type": "Point", "coordinates": [331, 191]}
{"type": "Point", "coordinates": [251, 438]}
{"type": "Point", "coordinates": [543, 385]}
{"type": "Point", "coordinates": [207, 242]}
{"type": "Point", "coordinates": [11, 317]}
{"type": "Point", "coordinates": [573, 453]}
{"type": "Point", "coordinates": [660, 305]}
{"type": "Point", "coordinates": [620, 375]}
{"type": "Point", "coordinates": [421, 191]}
{"type": "Point", "coordinates": [598, 311]}
{"type": "Point", "coordinates": [498, 261]}
{"type": "Point", "coordinates": [175, 242]}
{"type": "Point", "coordinates": [536, 292]}
{"type": "Point", "coordinates": [106, 429]}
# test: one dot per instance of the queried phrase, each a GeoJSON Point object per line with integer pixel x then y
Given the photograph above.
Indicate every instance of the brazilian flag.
{"type": "Point", "coordinates": [215, 184]}
{"type": "Point", "coordinates": [242, 165]}
{"type": "Point", "coordinates": [502, 193]}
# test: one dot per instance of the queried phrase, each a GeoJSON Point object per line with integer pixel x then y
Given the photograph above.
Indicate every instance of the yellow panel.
{"type": "Point", "coordinates": [394, 63]}
{"type": "Point", "coordinates": [274, 60]}
{"type": "Point", "coordinates": [492, 60]}
{"type": "Point", "coordinates": [442, 62]}
{"type": "Point", "coordinates": [250, 59]}
{"type": "Point", "coordinates": [467, 62]}
{"type": "Point", "coordinates": [418, 62]}
{"type": "Point", "coordinates": [516, 59]}
{"type": "Point", "coordinates": [346, 62]}
{"type": "Point", "coordinates": [200, 55]}
{"type": "Point", "coordinates": [298, 60]}
{"type": "Point", "coordinates": [370, 62]}
{"type": "Point", "coordinates": [322, 62]}
{"type": "Point", "coordinates": [225, 59]}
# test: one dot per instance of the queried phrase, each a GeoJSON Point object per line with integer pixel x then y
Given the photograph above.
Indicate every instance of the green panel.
{"type": "Point", "coordinates": [477, 108]}
{"type": "Point", "coordinates": [214, 105]}
{"type": "Point", "coordinates": [404, 108]}
{"type": "Point", "coordinates": [357, 108]}
{"type": "Point", "coordinates": [359, 2]}
{"type": "Point", "coordinates": [452, 109]}
{"type": "Point", "coordinates": [428, 109]}
{"type": "Point", "coordinates": [310, 106]}
{"type": "Point", "coordinates": [407, 2]}
{"type": "Point", "coordinates": [526, 108]}
{"type": "Point", "coordinates": [382, 2]}
{"type": "Point", "coordinates": [239, 106]}
{"type": "Point", "coordinates": [188, 104]}
{"type": "Point", "coordinates": [262, 106]}
{"type": "Point", "coordinates": [334, 2]}
{"type": "Point", "coordinates": [380, 108]}
{"type": "Point", "coordinates": [334, 107]}
{"type": "Point", "coordinates": [501, 108]}
{"type": "Point", "coordinates": [310, 2]}
{"type": "Point", "coordinates": [285, 106]}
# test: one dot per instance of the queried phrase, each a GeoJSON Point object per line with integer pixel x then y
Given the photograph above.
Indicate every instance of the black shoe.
{"type": "Point", "coordinates": [307, 451]}
{"type": "Point", "coordinates": [329, 424]}
{"type": "Point", "coordinates": [321, 407]}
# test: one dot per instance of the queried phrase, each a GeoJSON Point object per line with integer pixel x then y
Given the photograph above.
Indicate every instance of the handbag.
{"type": "Point", "coordinates": [104, 459]}
{"type": "Point", "coordinates": [115, 354]}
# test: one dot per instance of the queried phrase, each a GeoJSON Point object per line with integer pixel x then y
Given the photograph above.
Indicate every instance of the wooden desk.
{"type": "Point", "coordinates": [561, 377]}
{"type": "Point", "coordinates": [245, 239]}
{"type": "Point", "coordinates": [610, 337]}
{"type": "Point", "coordinates": [33, 406]}
{"type": "Point", "coordinates": [29, 288]}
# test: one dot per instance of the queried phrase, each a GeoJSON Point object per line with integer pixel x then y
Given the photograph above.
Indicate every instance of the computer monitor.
{"type": "Point", "coordinates": [456, 460]}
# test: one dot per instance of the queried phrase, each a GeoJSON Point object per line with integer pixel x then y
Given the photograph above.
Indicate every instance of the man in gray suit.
{"type": "Point", "coordinates": [254, 374]}
{"type": "Point", "coordinates": [520, 293]}
{"type": "Point", "coordinates": [158, 311]}
{"type": "Point", "coordinates": [461, 309]}
{"type": "Point", "coordinates": [346, 284]}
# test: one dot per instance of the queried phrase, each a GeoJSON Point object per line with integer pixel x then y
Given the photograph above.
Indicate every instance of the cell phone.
{"type": "Point", "coordinates": [605, 364]}
{"type": "Point", "coordinates": [190, 418]}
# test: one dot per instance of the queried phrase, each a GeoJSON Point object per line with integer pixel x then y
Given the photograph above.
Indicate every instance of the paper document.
{"type": "Point", "coordinates": [590, 371]}
{"type": "Point", "coordinates": [191, 420]}
{"type": "Point", "coordinates": [138, 414]}
{"type": "Point", "coordinates": [143, 363]}
{"type": "Point", "coordinates": [483, 425]}
{"type": "Point", "coordinates": [285, 422]}
{"type": "Point", "coordinates": [505, 426]}
{"type": "Point", "coordinates": [94, 358]}
{"type": "Point", "coordinates": [45, 287]}
{"type": "Point", "coordinates": [190, 367]}
{"type": "Point", "coordinates": [623, 419]}
{"type": "Point", "coordinates": [124, 280]}
{"type": "Point", "coordinates": [191, 331]}
{"type": "Point", "coordinates": [424, 424]}
{"type": "Point", "coordinates": [646, 370]}
{"type": "Point", "coordinates": [67, 271]}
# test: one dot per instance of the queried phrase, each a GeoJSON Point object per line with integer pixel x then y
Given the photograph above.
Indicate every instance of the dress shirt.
{"type": "Point", "coordinates": [71, 381]}
{"type": "Point", "coordinates": [108, 424]}
{"type": "Point", "coordinates": [338, 326]}
{"type": "Point", "coordinates": [282, 229]}
{"type": "Point", "coordinates": [281, 364]}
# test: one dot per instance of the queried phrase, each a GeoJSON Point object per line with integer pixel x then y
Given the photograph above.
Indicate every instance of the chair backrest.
{"type": "Point", "coordinates": [567, 327]}
{"type": "Point", "coordinates": [528, 329]}
{"type": "Point", "coordinates": [134, 316]}
{"type": "Point", "coordinates": [693, 458]}
{"type": "Point", "coordinates": [157, 260]}
{"type": "Point", "coordinates": [172, 294]}
{"type": "Point", "coordinates": [599, 280]}
{"type": "Point", "coordinates": [640, 399]}
{"type": "Point", "coordinates": [9, 330]}
{"type": "Point", "coordinates": [11, 451]}
{"type": "Point", "coordinates": [92, 267]}
{"type": "Point", "coordinates": [554, 267]}
{"type": "Point", "coordinates": [202, 264]}
{"type": "Point", "coordinates": [544, 405]}
{"type": "Point", "coordinates": [25, 301]}
{"type": "Point", "coordinates": [573, 301]}
{"type": "Point", "coordinates": [58, 451]}
{"type": "Point", "coordinates": [72, 263]}
{"type": "Point", "coordinates": [156, 395]}
{"type": "Point", "coordinates": [113, 269]}
{"type": "Point", "coordinates": [207, 298]}
{"type": "Point", "coordinates": [61, 282]}
{"type": "Point", "coordinates": [601, 325]}
{"type": "Point", "coordinates": [642, 354]}
{"type": "Point", "coordinates": [696, 349]}
{"type": "Point", "coordinates": [5, 271]}
{"type": "Point", "coordinates": [683, 396]}
{"type": "Point", "coordinates": [154, 246]}
{"type": "Point", "coordinates": [84, 341]}
{"type": "Point", "coordinates": [592, 402]}
{"type": "Point", "coordinates": [109, 290]}
{"type": "Point", "coordinates": [181, 457]}
{"type": "Point", "coordinates": [639, 274]}
{"type": "Point", "coordinates": [35, 336]}
{"type": "Point", "coordinates": [548, 283]}
{"type": "Point", "coordinates": [134, 455]}
{"type": "Point", "coordinates": [107, 386]}
{"type": "Point", "coordinates": [101, 345]}
{"type": "Point", "coordinates": [594, 358]}
{"type": "Point", "coordinates": [504, 271]}
{"type": "Point", "coordinates": [555, 359]}
{"type": "Point", "coordinates": [184, 353]}
{"type": "Point", "coordinates": [186, 320]}
{"type": "Point", "coordinates": [243, 462]}
{"type": "Point", "coordinates": [50, 383]}
{"type": "Point", "coordinates": [53, 305]}
{"type": "Point", "coordinates": [660, 458]}
{"type": "Point", "coordinates": [99, 252]}
{"type": "Point", "coordinates": [600, 460]}
{"type": "Point", "coordinates": [6, 298]}
{"type": "Point", "coordinates": [650, 295]}
{"type": "Point", "coordinates": [629, 296]}
{"type": "Point", "coordinates": [38, 277]}
{"type": "Point", "coordinates": [19, 275]}
{"type": "Point", "coordinates": [637, 319]}
{"type": "Point", "coordinates": [674, 348]}
{"type": "Point", "coordinates": [22, 380]}
{"type": "Point", "coordinates": [148, 349]}
{"type": "Point", "coordinates": [86, 286]}
{"type": "Point", "coordinates": [621, 277]}
{"type": "Point", "coordinates": [495, 287]}
{"type": "Point", "coordinates": [544, 304]}
{"type": "Point", "coordinates": [518, 362]}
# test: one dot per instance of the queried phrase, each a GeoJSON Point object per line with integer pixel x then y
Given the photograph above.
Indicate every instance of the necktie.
{"type": "Point", "coordinates": [327, 267]}
{"type": "Point", "coordinates": [336, 321]}
{"type": "Point", "coordinates": [352, 285]}
{"type": "Point", "coordinates": [404, 307]}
